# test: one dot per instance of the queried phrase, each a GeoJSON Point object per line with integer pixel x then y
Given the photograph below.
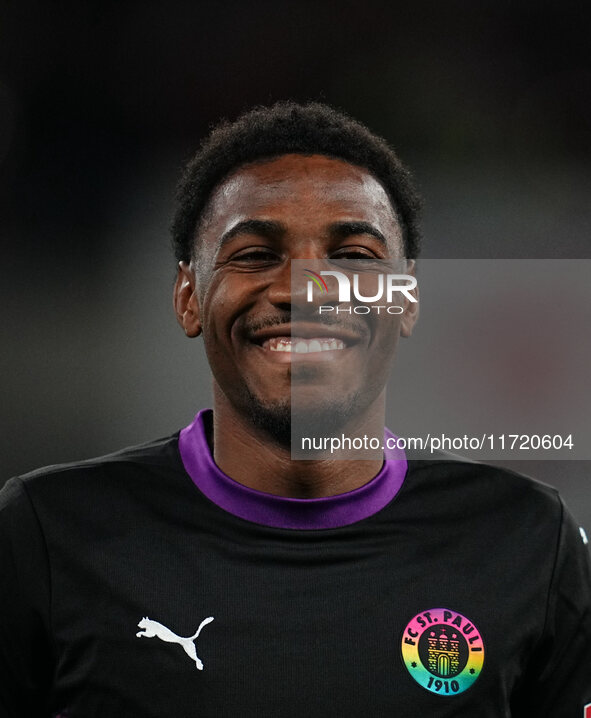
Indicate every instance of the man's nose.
{"type": "Point", "coordinates": [279, 291]}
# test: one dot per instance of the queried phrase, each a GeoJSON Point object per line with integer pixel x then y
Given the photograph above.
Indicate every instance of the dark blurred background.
{"type": "Point", "coordinates": [101, 104]}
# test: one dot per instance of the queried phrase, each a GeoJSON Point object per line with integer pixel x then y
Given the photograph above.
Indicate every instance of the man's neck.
{"type": "Point", "coordinates": [251, 457]}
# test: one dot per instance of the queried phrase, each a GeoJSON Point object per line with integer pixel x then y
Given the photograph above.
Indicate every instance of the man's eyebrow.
{"type": "Point", "coordinates": [263, 227]}
{"type": "Point", "coordinates": [348, 228]}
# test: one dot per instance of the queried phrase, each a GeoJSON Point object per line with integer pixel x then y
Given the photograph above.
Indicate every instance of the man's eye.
{"type": "Point", "coordinates": [354, 253]}
{"type": "Point", "coordinates": [254, 255]}
{"type": "Point", "coordinates": [358, 256]}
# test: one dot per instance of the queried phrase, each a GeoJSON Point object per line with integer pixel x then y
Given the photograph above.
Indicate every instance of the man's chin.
{"type": "Point", "coordinates": [273, 420]}
{"type": "Point", "coordinates": [286, 421]}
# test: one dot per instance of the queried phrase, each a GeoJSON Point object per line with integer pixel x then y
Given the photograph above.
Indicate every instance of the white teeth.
{"type": "Point", "coordinates": [299, 345]}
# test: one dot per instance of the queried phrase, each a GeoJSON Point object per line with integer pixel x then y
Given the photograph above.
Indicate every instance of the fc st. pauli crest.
{"type": "Point", "coordinates": [443, 651]}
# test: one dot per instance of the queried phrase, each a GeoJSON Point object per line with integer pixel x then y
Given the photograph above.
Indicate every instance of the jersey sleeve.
{"type": "Point", "coordinates": [558, 683]}
{"type": "Point", "coordinates": [25, 653]}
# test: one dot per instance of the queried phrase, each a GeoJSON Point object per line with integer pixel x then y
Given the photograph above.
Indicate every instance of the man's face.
{"type": "Point", "coordinates": [258, 220]}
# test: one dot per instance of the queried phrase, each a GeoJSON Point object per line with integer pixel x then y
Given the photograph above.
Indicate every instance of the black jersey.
{"type": "Point", "coordinates": [133, 585]}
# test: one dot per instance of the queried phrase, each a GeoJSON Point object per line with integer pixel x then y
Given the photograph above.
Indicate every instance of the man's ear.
{"type": "Point", "coordinates": [186, 305]}
{"type": "Point", "coordinates": [411, 309]}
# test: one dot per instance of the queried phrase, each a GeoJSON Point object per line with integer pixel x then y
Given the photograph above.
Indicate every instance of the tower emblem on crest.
{"type": "Point", "coordinates": [443, 651]}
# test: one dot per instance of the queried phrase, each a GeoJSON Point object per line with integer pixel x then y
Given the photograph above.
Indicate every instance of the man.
{"type": "Point", "coordinates": [270, 586]}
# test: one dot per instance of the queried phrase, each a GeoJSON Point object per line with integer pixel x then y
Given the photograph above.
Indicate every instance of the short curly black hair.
{"type": "Point", "coordinates": [290, 128]}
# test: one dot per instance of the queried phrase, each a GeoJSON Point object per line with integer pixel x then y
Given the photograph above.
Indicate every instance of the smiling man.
{"type": "Point", "coordinates": [264, 339]}
{"type": "Point", "coordinates": [392, 585]}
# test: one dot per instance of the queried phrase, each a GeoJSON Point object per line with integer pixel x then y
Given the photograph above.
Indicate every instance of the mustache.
{"type": "Point", "coordinates": [347, 322]}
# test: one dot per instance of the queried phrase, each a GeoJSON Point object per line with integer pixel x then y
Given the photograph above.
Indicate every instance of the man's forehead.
{"type": "Point", "coordinates": [301, 182]}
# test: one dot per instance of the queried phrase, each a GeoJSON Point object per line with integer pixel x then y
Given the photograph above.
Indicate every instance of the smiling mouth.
{"type": "Point", "coordinates": [306, 342]}
{"type": "Point", "coordinates": [303, 345]}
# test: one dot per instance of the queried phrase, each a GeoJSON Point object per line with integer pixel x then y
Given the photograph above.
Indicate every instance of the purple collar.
{"type": "Point", "coordinates": [280, 511]}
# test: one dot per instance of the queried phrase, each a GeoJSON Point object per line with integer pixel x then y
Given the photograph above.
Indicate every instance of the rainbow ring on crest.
{"type": "Point", "coordinates": [443, 651]}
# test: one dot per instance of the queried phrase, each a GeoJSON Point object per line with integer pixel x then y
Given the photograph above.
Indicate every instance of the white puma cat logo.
{"type": "Point", "coordinates": [153, 628]}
